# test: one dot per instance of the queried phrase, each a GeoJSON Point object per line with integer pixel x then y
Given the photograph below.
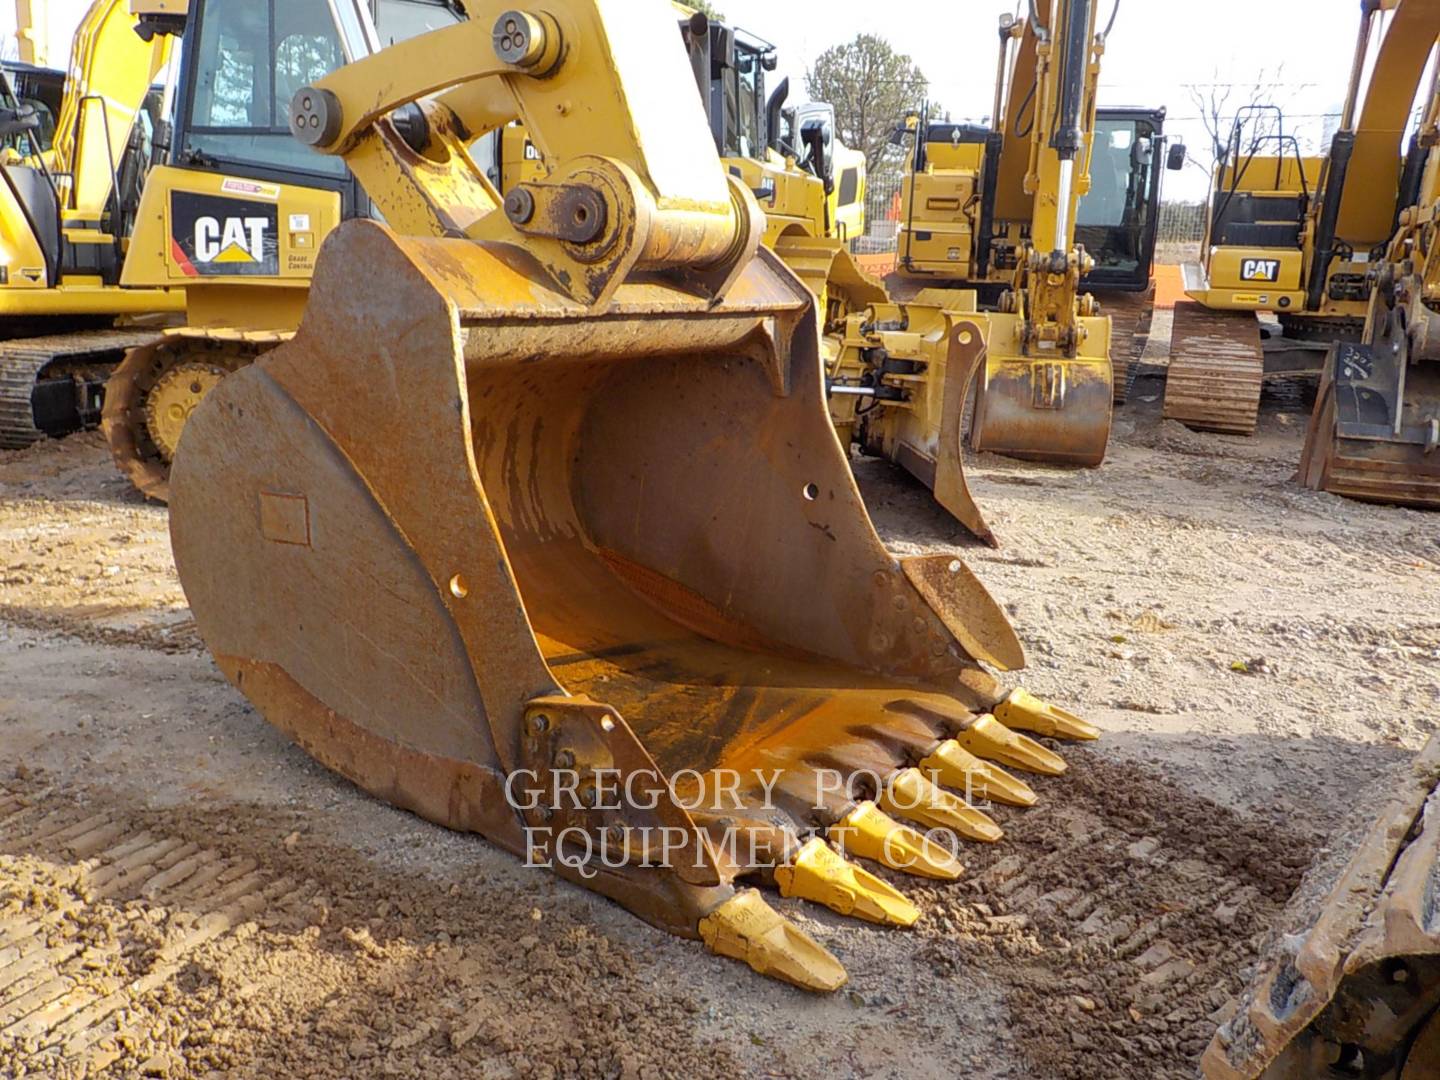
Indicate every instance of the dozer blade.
{"type": "Point", "coordinates": [1045, 408]}
{"type": "Point", "coordinates": [573, 577]}
{"type": "Point", "coordinates": [1358, 994]}
{"type": "Point", "coordinates": [1374, 433]}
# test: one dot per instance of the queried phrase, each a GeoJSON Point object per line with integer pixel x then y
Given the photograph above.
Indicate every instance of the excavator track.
{"type": "Point", "coordinates": [1359, 993]}
{"type": "Point", "coordinates": [83, 360]}
{"type": "Point", "coordinates": [1217, 366]}
{"type": "Point", "coordinates": [142, 451]}
{"type": "Point", "coordinates": [1130, 318]}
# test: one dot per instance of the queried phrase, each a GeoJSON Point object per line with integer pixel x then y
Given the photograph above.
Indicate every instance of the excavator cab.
{"type": "Point", "coordinates": [41, 89]}
{"type": "Point", "coordinates": [237, 210]}
{"type": "Point", "coordinates": [1117, 222]}
{"type": "Point", "coordinates": [1118, 219]}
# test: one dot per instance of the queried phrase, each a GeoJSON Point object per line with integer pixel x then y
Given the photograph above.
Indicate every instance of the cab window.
{"type": "Point", "coordinates": [400, 20]}
{"type": "Point", "coordinates": [251, 60]}
{"type": "Point", "coordinates": [744, 89]}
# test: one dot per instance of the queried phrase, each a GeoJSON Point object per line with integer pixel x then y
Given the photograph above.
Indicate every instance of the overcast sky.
{"type": "Point", "coordinates": [1157, 52]}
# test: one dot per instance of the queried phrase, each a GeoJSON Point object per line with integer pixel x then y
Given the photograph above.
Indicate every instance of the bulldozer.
{"type": "Point", "coordinates": [67, 207]}
{"type": "Point", "coordinates": [1298, 236]}
{"type": "Point", "coordinates": [1356, 993]}
{"type": "Point", "coordinates": [538, 527]}
{"type": "Point", "coordinates": [995, 211]}
{"type": "Point", "coordinates": [1374, 432]}
{"type": "Point", "coordinates": [234, 211]}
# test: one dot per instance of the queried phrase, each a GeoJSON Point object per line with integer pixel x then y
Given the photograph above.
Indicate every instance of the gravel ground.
{"type": "Point", "coordinates": [185, 894]}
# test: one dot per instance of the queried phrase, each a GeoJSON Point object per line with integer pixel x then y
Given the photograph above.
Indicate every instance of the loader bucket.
{"type": "Point", "coordinates": [465, 539]}
{"type": "Point", "coordinates": [1374, 433]}
{"type": "Point", "coordinates": [1040, 407]}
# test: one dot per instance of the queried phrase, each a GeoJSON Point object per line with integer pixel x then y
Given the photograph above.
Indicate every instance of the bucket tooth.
{"type": "Point", "coordinates": [909, 794]}
{"type": "Point", "coordinates": [1023, 711]}
{"type": "Point", "coordinates": [990, 739]}
{"type": "Point", "coordinates": [817, 873]}
{"type": "Point", "coordinates": [955, 767]}
{"type": "Point", "coordinates": [746, 928]}
{"type": "Point", "coordinates": [869, 832]}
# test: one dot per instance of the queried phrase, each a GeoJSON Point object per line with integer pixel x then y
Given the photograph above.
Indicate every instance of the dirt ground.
{"type": "Point", "coordinates": [185, 894]}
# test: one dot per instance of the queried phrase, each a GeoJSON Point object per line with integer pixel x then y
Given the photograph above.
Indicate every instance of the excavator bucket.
{"type": "Point", "coordinates": [1042, 405]}
{"type": "Point", "coordinates": [539, 529]}
{"type": "Point", "coordinates": [1358, 992]}
{"type": "Point", "coordinates": [1375, 430]}
{"type": "Point", "coordinates": [463, 538]}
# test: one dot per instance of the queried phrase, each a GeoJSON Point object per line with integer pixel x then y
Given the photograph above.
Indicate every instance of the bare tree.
{"type": "Point", "coordinates": [1219, 103]}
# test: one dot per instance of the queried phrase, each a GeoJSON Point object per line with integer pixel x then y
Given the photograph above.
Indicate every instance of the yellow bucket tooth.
{"type": "Point", "coordinates": [911, 795]}
{"type": "Point", "coordinates": [988, 738]}
{"type": "Point", "coordinates": [955, 767]}
{"type": "Point", "coordinates": [817, 873]}
{"type": "Point", "coordinates": [869, 832]}
{"type": "Point", "coordinates": [1024, 711]}
{"type": "Point", "coordinates": [746, 928]}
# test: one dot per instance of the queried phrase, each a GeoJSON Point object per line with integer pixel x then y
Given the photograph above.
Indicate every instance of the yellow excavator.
{"type": "Point", "coordinates": [1297, 236]}
{"type": "Point", "coordinates": [996, 211]}
{"type": "Point", "coordinates": [949, 232]}
{"type": "Point", "coordinates": [234, 211]}
{"type": "Point", "coordinates": [66, 214]}
{"type": "Point", "coordinates": [538, 526]}
{"type": "Point", "coordinates": [1375, 430]}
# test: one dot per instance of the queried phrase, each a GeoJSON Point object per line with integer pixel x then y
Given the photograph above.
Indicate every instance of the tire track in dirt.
{"type": "Point", "coordinates": [1123, 913]}
{"type": "Point", "coordinates": [144, 944]}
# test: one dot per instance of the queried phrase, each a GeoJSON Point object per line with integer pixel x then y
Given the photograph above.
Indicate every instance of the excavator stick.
{"type": "Point", "coordinates": [539, 528]}
{"type": "Point", "coordinates": [1359, 993]}
{"type": "Point", "coordinates": [1045, 406]}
